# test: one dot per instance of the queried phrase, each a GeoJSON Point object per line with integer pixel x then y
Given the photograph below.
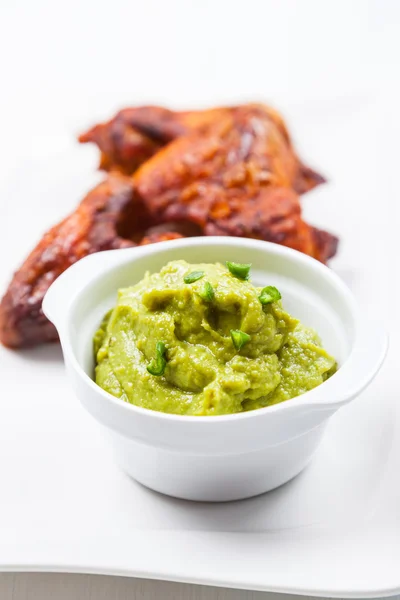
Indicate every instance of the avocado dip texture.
{"type": "Point", "coordinates": [203, 340]}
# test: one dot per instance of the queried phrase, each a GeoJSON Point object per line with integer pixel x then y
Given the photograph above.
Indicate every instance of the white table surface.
{"type": "Point", "coordinates": [66, 65]}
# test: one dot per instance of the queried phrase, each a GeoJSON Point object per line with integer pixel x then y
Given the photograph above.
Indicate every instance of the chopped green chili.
{"type": "Point", "coordinates": [157, 365]}
{"type": "Point", "coordinates": [194, 276]}
{"type": "Point", "coordinates": [269, 294]}
{"type": "Point", "coordinates": [207, 292]}
{"type": "Point", "coordinates": [241, 271]}
{"type": "Point", "coordinates": [239, 338]}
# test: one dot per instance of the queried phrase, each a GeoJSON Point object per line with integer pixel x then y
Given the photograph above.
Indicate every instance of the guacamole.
{"type": "Point", "coordinates": [203, 340]}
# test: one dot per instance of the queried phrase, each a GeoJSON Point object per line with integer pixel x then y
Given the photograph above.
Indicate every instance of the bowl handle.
{"type": "Point", "coordinates": [369, 353]}
{"type": "Point", "coordinates": [364, 362]}
{"type": "Point", "coordinates": [62, 291]}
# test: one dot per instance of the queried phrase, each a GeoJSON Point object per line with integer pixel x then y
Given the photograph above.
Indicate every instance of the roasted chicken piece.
{"type": "Point", "coordinates": [236, 180]}
{"type": "Point", "coordinates": [220, 168]}
{"type": "Point", "coordinates": [136, 134]}
{"type": "Point", "coordinates": [225, 171]}
{"type": "Point", "coordinates": [109, 217]}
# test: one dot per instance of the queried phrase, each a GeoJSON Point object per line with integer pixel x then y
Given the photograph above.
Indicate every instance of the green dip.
{"type": "Point", "coordinates": [199, 369]}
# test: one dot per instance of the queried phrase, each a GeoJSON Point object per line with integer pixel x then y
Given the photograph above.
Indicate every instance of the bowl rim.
{"type": "Point", "coordinates": [338, 386]}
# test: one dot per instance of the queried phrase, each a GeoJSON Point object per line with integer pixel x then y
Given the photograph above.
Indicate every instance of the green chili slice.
{"type": "Point", "coordinates": [269, 294]}
{"type": "Point", "coordinates": [239, 338]}
{"type": "Point", "coordinates": [194, 276]}
{"type": "Point", "coordinates": [207, 292]}
{"type": "Point", "coordinates": [241, 271]}
{"type": "Point", "coordinates": [157, 365]}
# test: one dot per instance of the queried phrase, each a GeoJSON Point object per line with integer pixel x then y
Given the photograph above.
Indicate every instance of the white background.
{"type": "Point", "coordinates": [331, 67]}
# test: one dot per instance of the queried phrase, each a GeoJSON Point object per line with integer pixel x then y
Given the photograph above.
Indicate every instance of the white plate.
{"type": "Point", "coordinates": [335, 530]}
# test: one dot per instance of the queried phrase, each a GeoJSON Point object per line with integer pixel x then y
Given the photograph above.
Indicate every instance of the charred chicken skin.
{"type": "Point", "coordinates": [224, 171]}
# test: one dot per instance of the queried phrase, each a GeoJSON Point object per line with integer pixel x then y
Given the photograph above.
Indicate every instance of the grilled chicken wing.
{"type": "Point", "coordinates": [237, 180]}
{"type": "Point", "coordinates": [136, 134]}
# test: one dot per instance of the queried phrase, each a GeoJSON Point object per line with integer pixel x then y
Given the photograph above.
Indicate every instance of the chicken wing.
{"type": "Point", "coordinates": [236, 180]}
{"type": "Point", "coordinates": [136, 134]}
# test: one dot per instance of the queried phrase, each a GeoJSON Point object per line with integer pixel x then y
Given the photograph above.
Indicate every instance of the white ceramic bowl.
{"type": "Point", "coordinates": [224, 457]}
